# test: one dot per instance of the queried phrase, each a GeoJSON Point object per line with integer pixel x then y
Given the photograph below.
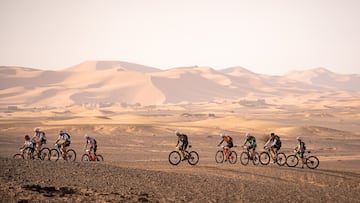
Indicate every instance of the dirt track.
{"type": "Point", "coordinates": [161, 182]}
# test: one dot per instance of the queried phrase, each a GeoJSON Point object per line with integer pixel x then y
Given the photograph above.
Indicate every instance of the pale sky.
{"type": "Point", "coordinates": [264, 36]}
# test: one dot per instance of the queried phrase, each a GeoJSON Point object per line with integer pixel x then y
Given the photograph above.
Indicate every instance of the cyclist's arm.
{"type": "Point", "coordinates": [221, 142]}
{"type": "Point", "coordinates": [267, 143]}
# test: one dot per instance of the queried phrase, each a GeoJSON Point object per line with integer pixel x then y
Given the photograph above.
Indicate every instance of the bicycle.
{"type": "Point", "coordinates": [220, 155]}
{"type": "Point", "coordinates": [246, 155]}
{"type": "Point", "coordinates": [55, 153]}
{"type": "Point", "coordinates": [89, 155]}
{"type": "Point", "coordinates": [265, 157]}
{"type": "Point", "coordinates": [175, 158]}
{"type": "Point", "coordinates": [32, 153]}
{"type": "Point", "coordinates": [311, 162]}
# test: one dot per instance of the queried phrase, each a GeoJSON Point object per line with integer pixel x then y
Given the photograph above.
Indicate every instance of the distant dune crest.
{"type": "Point", "coordinates": [117, 82]}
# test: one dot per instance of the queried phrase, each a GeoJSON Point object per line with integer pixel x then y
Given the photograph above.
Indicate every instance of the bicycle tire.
{"type": "Point", "coordinates": [85, 157]}
{"type": "Point", "coordinates": [54, 155]}
{"type": "Point", "coordinates": [45, 153]}
{"type": "Point", "coordinates": [292, 161]}
{"type": "Point", "coordinates": [28, 153]}
{"type": "Point", "coordinates": [233, 157]}
{"type": "Point", "coordinates": [18, 156]}
{"type": "Point", "coordinates": [244, 158]}
{"type": "Point", "coordinates": [281, 159]}
{"type": "Point", "coordinates": [256, 159]}
{"type": "Point", "coordinates": [219, 156]}
{"type": "Point", "coordinates": [312, 162]}
{"type": "Point", "coordinates": [99, 157]}
{"type": "Point", "coordinates": [194, 158]}
{"type": "Point", "coordinates": [174, 158]}
{"type": "Point", "coordinates": [264, 158]}
{"type": "Point", "coordinates": [70, 155]}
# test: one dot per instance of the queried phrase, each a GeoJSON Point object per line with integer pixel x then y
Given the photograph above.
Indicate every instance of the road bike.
{"type": "Point", "coordinates": [267, 155]}
{"type": "Point", "coordinates": [55, 154]}
{"type": "Point", "coordinates": [246, 156]}
{"type": "Point", "coordinates": [220, 155]}
{"type": "Point", "coordinates": [175, 157]}
{"type": "Point", "coordinates": [89, 155]}
{"type": "Point", "coordinates": [311, 162]}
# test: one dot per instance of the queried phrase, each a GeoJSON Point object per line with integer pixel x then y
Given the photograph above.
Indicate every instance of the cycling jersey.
{"type": "Point", "coordinates": [64, 136]}
{"type": "Point", "coordinates": [40, 136]}
{"type": "Point", "coordinates": [183, 139]}
{"type": "Point", "coordinates": [252, 142]}
{"type": "Point", "coordinates": [228, 140]}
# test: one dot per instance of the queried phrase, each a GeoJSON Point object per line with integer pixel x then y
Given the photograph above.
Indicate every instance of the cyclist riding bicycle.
{"type": "Point", "coordinates": [28, 143]}
{"type": "Point", "coordinates": [252, 143]}
{"type": "Point", "coordinates": [92, 142]}
{"type": "Point", "coordinates": [65, 141]}
{"type": "Point", "coordinates": [274, 143]}
{"type": "Point", "coordinates": [182, 143]}
{"type": "Point", "coordinates": [40, 138]}
{"type": "Point", "coordinates": [301, 150]}
{"type": "Point", "coordinates": [229, 144]}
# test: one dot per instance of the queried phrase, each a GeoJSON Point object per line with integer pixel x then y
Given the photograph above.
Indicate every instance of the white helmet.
{"type": "Point", "coordinates": [298, 137]}
{"type": "Point", "coordinates": [222, 135]}
{"type": "Point", "coordinates": [87, 135]}
{"type": "Point", "coordinates": [247, 134]}
{"type": "Point", "coordinates": [177, 132]}
{"type": "Point", "coordinates": [36, 129]}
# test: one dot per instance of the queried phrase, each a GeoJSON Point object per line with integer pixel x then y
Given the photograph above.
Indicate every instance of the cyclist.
{"type": "Point", "coordinates": [300, 149]}
{"type": "Point", "coordinates": [28, 143]}
{"type": "Point", "coordinates": [274, 143]}
{"type": "Point", "coordinates": [183, 142]}
{"type": "Point", "coordinates": [40, 138]}
{"type": "Point", "coordinates": [252, 144]}
{"type": "Point", "coordinates": [92, 142]}
{"type": "Point", "coordinates": [65, 141]}
{"type": "Point", "coordinates": [229, 144]}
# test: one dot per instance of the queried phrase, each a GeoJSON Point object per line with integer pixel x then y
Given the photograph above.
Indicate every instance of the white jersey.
{"type": "Point", "coordinates": [64, 136]}
{"type": "Point", "coordinates": [28, 143]}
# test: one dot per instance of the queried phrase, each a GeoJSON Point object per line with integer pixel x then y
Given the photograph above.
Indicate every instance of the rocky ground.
{"type": "Point", "coordinates": [44, 181]}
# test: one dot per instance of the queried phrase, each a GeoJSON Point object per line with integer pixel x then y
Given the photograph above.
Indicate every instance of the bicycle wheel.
{"type": "Point", "coordinates": [28, 153]}
{"type": "Point", "coordinates": [194, 158]}
{"type": "Point", "coordinates": [18, 156]}
{"type": "Point", "coordinates": [85, 157]}
{"type": "Point", "coordinates": [232, 157]}
{"type": "Point", "coordinates": [312, 162]}
{"type": "Point", "coordinates": [54, 155]}
{"type": "Point", "coordinates": [45, 153]}
{"type": "Point", "coordinates": [70, 155]}
{"type": "Point", "coordinates": [264, 158]}
{"type": "Point", "coordinates": [99, 157]}
{"type": "Point", "coordinates": [219, 156]}
{"type": "Point", "coordinates": [244, 158]}
{"type": "Point", "coordinates": [281, 159]}
{"type": "Point", "coordinates": [174, 158]}
{"type": "Point", "coordinates": [256, 159]}
{"type": "Point", "coordinates": [292, 160]}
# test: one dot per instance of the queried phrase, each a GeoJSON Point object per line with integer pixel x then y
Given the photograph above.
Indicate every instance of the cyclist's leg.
{"type": "Point", "coordinates": [301, 154]}
{"type": "Point", "coordinates": [226, 152]}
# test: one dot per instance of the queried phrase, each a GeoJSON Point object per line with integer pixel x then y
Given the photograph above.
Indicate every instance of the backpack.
{"type": "Point", "coordinates": [68, 135]}
{"type": "Point", "coordinates": [303, 143]}
{"type": "Point", "coordinates": [278, 141]}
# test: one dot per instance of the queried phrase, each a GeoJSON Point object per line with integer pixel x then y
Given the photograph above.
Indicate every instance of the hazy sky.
{"type": "Point", "coordinates": [265, 36]}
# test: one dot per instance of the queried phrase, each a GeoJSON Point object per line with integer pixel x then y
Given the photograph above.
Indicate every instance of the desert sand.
{"type": "Point", "coordinates": [136, 141]}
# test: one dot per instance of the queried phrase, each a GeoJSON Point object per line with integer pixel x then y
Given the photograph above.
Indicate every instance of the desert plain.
{"type": "Point", "coordinates": [133, 112]}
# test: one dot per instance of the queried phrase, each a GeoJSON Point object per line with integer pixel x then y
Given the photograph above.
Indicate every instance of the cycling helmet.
{"type": "Point", "coordinates": [177, 132]}
{"type": "Point", "coordinates": [272, 134]}
{"type": "Point", "coordinates": [36, 129]}
{"type": "Point", "coordinates": [61, 132]}
{"type": "Point", "coordinates": [222, 135]}
{"type": "Point", "coordinates": [298, 137]}
{"type": "Point", "coordinates": [87, 136]}
{"type": "Point", "coordinates": [247, 134]}
{"type": "Point", "coordinates": [27, 137]}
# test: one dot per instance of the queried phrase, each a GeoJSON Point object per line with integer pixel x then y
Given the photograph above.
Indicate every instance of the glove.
{"type": "Point", "coordinates": [55, 145]}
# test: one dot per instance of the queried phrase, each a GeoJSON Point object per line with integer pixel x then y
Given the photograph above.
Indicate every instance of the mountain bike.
{"type": "Point", "coordinates": [55, 153]}
{"type": "Point", "coordinates": [311, 162]}
{"type": "Point", "coordinates": [32, 153]}
{"type": "Point", "coordinates": [246, 156]}
{"type": "Point", "coordinates": [267, 155]}
{"type": "Point", "coordinates": [89, 155]}
{"type": "Point", "coordinates": [220, 155]}
{"type": "Point", "coordinates": [175, 157]}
